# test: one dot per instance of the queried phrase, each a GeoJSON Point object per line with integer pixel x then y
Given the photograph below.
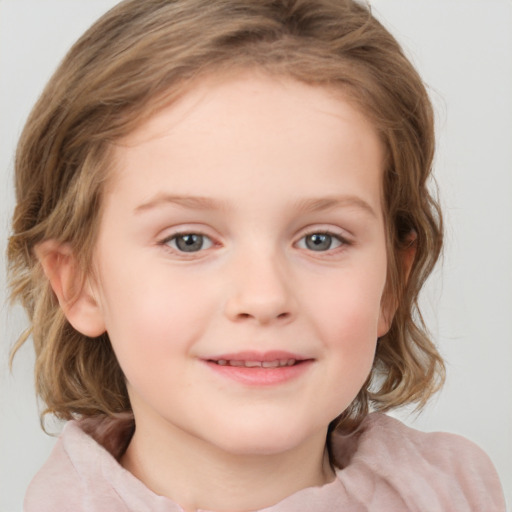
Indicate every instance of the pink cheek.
{"type": "Point", "coordinates": [164, 320]}
{"type": "Point", "coordinates": [349, 308]}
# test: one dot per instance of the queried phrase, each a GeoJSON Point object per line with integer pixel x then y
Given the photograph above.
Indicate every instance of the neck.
{"type": "Point", "coordinates": [197, 475]}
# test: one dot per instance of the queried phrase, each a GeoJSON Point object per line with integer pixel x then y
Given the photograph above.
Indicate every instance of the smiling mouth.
{"type": "Point", "coordinates": [257, 369]}
{"type": "Point", "coordinates": [278, 363]}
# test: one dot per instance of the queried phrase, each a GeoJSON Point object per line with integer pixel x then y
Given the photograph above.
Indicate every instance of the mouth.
{"type": "Point", "coordinates": [277, 363]}
{"type": "Point", "coordinates": [253, 368]}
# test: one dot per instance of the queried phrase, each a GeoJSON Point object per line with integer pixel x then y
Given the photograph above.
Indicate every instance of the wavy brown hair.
{"type": "Point", "coordinates": [141, 56]}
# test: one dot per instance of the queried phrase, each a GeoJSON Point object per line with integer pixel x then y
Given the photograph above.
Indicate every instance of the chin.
{"type": "Point", "coordinates": [261, 439]}
{"type": "Point", "coordinates": [255, 448]}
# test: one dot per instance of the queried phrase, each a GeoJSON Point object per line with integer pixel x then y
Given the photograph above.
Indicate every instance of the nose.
{"type": "Point", "coordinates": [261, 291]}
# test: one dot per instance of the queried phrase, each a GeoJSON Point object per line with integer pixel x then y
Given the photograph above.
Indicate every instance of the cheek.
{"type": "Point", "coordinates": [346, 318]}
{"type": "Point", "coordinates": [150, 319]}
{"type": "Point", "coordinates": [352, 342]}
{"type": "Point", "coordinates": [347, 306]}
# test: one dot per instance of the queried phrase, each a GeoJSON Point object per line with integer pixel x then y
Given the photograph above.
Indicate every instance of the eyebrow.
{"type": "Point", "coordinates": [192, 202]}
{"type": "Point", "coordinates": [304, 205]}
{"type": "Point", "coordinates": [328, 203]}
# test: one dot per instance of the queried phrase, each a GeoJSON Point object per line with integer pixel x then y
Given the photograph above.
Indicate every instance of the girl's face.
{"type": "Point", "coordinates": [241, 263]}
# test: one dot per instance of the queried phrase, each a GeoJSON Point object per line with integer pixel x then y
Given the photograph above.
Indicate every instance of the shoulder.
{"type": "Point", "coordinates": [426, 471]}
{"type": "Point", "coordinates": [74, 476]}
{"type": "Point", "coordinates": [44, 492]}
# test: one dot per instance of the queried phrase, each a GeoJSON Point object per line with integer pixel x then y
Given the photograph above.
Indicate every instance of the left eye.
{"type": "Point", "coordinates": [189, 242]}
{"type": "Point", "coordinates": [320, 242]}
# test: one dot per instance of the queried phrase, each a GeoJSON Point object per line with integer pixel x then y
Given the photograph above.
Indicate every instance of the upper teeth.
{"type": "Point", "coordinates": [254, 364]}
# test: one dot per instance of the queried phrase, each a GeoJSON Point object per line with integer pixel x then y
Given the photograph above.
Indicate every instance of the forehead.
{"type": "Point", "coordinates": [239, 128]}
{"type": "Point", "coordinates": [222, 94]}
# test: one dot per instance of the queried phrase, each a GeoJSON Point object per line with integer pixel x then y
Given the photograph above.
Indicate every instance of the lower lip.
{"type": "Point", "coordinates": [259, 376]}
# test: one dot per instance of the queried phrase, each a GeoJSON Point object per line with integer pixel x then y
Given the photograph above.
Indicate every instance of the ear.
{"type": "Point", "coordinates": [387, 312]}
{"type": "Point", "coordinates": [408, 253]}
{"type": "Point", "coordinates": [72, 290]}
{"type": "Point", "coordinates": [389, 304]}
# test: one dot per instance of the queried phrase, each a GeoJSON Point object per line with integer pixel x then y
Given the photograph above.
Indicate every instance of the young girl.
{"type": "Point", "coordinates": [223, 223]}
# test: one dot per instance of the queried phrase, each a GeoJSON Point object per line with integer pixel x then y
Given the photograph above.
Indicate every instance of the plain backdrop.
{"type": "Point", "coordinates": [463, 49]}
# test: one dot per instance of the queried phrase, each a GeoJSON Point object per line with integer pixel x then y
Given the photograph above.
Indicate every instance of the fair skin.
{"type": "Point", "coordinates": [239, 272]}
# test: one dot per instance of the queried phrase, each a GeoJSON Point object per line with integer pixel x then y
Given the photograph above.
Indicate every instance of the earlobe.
{"type": "Point", "coordinates": [390, 305]}
{"type": "Point", "coordinates": [72, 291]}
{"type": "Point", "coordinates": [408, 254]}
{"type": "Point", "coordinates": [385, 318]}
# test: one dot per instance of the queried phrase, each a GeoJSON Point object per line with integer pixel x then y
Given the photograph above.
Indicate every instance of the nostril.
{"type": "Point", "coordinates": [245, 316]}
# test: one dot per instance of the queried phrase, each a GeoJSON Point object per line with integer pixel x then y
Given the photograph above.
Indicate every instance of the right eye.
{"type": "Point", "coordinates": [188, 242]}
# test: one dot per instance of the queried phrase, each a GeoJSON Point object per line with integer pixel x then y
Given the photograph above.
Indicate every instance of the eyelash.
{"type": "Point", "coordinates": [173, 238]}
{"type": "Point", "coordinates": [342, 241]}
{"type": "Point", "coordinates": [334, 237]}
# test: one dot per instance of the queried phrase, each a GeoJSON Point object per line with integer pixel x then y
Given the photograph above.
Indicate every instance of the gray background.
{"type": "Point", "coordinates": [463, 48]}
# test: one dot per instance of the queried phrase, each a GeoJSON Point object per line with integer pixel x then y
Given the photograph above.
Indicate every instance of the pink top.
{"type": "Point", "coordinates": [385, 467]}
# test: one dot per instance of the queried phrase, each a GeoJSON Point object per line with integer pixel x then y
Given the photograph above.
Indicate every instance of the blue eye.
{"type": "Point", "coordinates": [320, 242]}
{"type": "Point", "coordinates": [189, 242]}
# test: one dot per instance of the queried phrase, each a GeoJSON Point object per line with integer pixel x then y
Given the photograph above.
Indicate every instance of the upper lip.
{"type": "Point", "coordinates": [273, 355]}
